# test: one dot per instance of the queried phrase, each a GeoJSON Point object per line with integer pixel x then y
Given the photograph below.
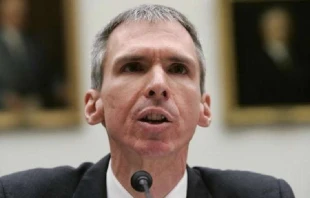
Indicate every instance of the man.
{"type": "Point", "coordinates": [280, 59]}
{"type": "Point", "coordinates": [19, 59]}
{"type": "Point", "coordinates": [147, 91]}
{"type": "Point", "coordinates": [22, 60]}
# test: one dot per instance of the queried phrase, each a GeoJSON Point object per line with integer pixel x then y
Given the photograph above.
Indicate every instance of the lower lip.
{"type": "Point", "coordinates": [154, 128]}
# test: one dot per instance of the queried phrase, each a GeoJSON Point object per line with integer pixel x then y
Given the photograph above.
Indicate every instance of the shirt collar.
{"type": "Point", "coordinates": [115, 188]}
{"type": "Point", "coordinates": [179, 191]}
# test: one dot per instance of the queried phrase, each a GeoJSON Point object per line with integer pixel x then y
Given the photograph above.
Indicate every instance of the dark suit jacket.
{"type": "Point", "coordinates": [28, 73]}
{"type": "Point", "coordinates": [20, 73]}
{"type": "Point", "coordinates": [89, 181]}
{"type": "Point", "coordinates": [262, 82]}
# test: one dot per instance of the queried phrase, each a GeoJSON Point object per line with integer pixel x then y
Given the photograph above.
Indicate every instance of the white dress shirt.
{"type": "Point", "coordinates": [116, 190]}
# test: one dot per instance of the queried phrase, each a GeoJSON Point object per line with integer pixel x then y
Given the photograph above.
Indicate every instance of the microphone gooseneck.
{"type": "Point", "coordinates": [142, 181]}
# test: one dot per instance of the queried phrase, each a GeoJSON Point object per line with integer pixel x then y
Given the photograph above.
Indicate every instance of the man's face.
{"type": "Point", "coordinates": [14, 12]}
{"type": "Point", "coordinates": [150, 97]}
{"type": "Point", "coordinates": [276, 26]}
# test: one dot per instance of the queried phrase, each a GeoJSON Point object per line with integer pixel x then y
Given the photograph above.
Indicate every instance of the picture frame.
{"type": "Point", "coordinates": [266, 61]}
{"type": "Point", "coordinates": [53, 103]}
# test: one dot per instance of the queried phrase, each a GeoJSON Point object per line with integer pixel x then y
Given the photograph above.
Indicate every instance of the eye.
{"type": "Point", "coordinates": [178, 68]}
{"type": "Point", "coordinates": [132, 67]}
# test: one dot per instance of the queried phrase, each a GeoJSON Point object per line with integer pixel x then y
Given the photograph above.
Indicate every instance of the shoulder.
{"type": "Point", "coordinates": [60, 181]}
{"type": "Point", "coordinates": [235, 183]}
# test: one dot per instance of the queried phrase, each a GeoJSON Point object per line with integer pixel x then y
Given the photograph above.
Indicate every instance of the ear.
{"type": "Point", "coordinates": [205, 111]}
{"type": "Point", "coordinates": [94, 111]}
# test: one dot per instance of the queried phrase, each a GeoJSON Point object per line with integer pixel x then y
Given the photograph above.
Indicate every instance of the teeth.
{"type": "Point", "coordinates": [154, 116]}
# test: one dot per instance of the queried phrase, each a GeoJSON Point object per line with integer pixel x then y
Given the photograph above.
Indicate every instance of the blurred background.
{"type": "Point", "coordinates": [32, 55]}
{"type": "Point", "coordinates": [281, 150]}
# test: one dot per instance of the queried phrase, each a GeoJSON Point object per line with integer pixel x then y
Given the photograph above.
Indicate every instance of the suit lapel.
{"type": "Point", "coordinates": [195, 185]}
{"type": "Point", "coordinates": [93, 183]}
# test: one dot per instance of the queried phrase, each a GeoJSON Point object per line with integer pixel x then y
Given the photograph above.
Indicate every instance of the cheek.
{"type": "Point", "coordinates": [188, 102]}
{"type": "Point", "coordinates": [189, 112]}
{"type": "Point", "coordinates": [116, 113]}
{"type": "Point", "coordinates": [118, 101]}
{"type": "Point", "coordinates": [119, 93]}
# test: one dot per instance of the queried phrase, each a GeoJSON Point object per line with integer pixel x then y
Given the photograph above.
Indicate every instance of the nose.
{"type": "Point", "coordinates": [157, 85]}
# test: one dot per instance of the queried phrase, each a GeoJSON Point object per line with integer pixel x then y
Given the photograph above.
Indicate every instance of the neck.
{"type": "Point", "coordinates": [166, 171]}
{"type": "Point", "coordinates": [271, 42]}
{"type": "Point", "coordinates": [5, 24]}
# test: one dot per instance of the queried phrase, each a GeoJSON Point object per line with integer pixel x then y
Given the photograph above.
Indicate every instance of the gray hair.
{"type": "Point", "coordinates": [152, 14]}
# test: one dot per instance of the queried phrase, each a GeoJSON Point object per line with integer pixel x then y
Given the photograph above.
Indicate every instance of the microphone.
{"type": "Point", "coordinates": [142, 181]}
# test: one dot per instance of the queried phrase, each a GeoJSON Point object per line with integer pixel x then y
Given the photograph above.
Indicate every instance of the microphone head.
{"type": "Point", "coordinates": [137, 177]}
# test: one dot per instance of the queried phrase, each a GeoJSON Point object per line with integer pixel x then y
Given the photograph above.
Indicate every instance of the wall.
{"type": "Point", "coordinates": [279, 150]}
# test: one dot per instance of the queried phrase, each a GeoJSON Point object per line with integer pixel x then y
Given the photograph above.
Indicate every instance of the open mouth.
{"type": "Point", "coordinates": [154, 119]}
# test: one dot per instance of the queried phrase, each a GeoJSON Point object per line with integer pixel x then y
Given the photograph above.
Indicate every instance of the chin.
{"type": "Point", "coordinates": [153, 148]}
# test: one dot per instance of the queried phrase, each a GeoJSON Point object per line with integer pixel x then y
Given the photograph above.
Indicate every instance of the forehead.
{"type": "Point", "coordinates": [161, 37]}
{"type": "Point", "coordinates": [135, 28]}
{"type": "Point", "coordinates": [276, 16]}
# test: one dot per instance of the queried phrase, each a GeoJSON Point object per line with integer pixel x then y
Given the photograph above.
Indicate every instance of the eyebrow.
{"type": "Point", "coordinates": [181, 59]}
{"type": "Point", "coordinates": [129, 58]}
{"type": "Point", "coordinates": [142, 58]}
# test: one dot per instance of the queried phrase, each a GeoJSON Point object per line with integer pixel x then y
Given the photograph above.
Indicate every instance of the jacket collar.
{"type": "Point", "coordinates": [196, 187]}
{"type": "Point", "coordinates": [93, 182]}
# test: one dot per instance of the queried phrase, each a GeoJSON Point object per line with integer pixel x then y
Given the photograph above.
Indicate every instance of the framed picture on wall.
{"type": "Point", "coordinates": [267, 61]}
{"type": "Point", "coordinates": [38, 68]}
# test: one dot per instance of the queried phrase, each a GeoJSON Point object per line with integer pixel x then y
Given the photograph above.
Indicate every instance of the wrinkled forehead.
{"type": "Point", "coordinates": [141, 27]}
{"type": "Point", "coordinates": [145, 34]}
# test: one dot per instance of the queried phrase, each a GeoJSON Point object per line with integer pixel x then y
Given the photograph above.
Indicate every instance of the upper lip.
{"type": "Point", "coordinates": [153, 110]}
